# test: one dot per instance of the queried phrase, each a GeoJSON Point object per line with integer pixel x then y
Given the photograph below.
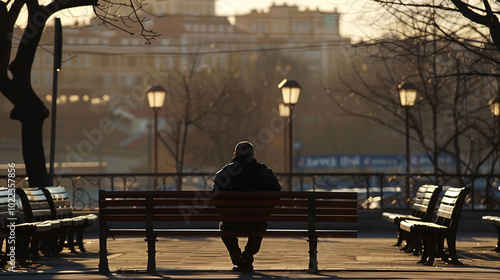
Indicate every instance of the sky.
{"type": "Point", "coordinates": [357, 20]}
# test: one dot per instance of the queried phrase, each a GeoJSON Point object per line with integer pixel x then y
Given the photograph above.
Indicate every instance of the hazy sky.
{"type": "Point", "coordinates": [232, 7]}
{"type": "Point", "coordinates": [358, 16]}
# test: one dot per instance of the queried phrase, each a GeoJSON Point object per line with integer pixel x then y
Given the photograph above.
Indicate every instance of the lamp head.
{"type": "Point", "coordinates": [290, 91]}
{"type": "Point", "coordinates": [156, 96]}
{"type": "Point", "coordinates": [407, 94]}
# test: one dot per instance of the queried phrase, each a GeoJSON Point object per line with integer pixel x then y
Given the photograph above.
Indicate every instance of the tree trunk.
{"type": "Point", "coordinates": [28, 108]}
{"type": "Point", "coordinates": [32, 141]}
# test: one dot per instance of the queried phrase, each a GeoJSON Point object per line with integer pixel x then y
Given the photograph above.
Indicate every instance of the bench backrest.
{"type": "Point", "coordinates": [233, 206]}
{"type": "Point", "coordinates": [59, 202]}
{"type": "Point", "coordinates": [450, 207]}
{"type": "Point", "coordinates": [35, 205]}
{"type": "Point", "coordinates": [424, 202]}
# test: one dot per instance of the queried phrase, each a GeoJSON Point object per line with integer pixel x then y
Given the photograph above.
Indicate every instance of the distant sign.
{"type": "Point", "coordinates": [367, 161]}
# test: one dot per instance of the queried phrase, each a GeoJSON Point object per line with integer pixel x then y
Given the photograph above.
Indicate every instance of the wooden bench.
{"type": "Point", "coordinates": [422, 209]}
{"type": "Point", "coordinates": [61, 209]}
{"type": "Point", "coordinates": [179, 213]}
{"type": "Point", "coordinates": [495, 221]}
{"type": "Point", "coordinates": [36, 209]}
{"type": "Point", "coordinates": [15, 234]}
{"type": "Point", "coordinates": [444, 227]}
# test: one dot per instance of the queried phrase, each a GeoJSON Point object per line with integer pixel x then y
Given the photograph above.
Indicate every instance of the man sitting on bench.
{"type": "Point", "coordinates": [244, 173]}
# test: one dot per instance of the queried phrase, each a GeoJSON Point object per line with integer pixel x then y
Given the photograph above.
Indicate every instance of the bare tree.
{"type": "Point", "coordinates": [15, 74]}
{"type": "Point", "coordinates": [485, 16]}
{"type": "Point", "coordinates": [470, 24]}
{"type": "Point", "coordinates": [454, 77]}
{"type": "Point", "coordinates": [195, 93]}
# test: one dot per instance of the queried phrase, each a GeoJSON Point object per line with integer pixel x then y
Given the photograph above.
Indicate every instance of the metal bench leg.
{"type": "Point", "coordinates": [313, 255]}
{"type": "Point", "coordinates": [431, 247]}
{"type": "Point", "coordinates": [71, 239]}
{"type": "Point", "coordinates": [413, 243]}
{"type": "Point", "coordinates": [22, 249]}
{"type": "Point", "coordinates": [35, 246]}
{"type": "Point", "coordinates": [151, 269]}
{"type": "Point", "coordinates": [451, 241]}
{"type": "Point", "coordinates": [79, 236]}
{"type": "Point", "coordinates": [497, 249]}
{"type": "Point", "coordinates": [103, 250]}
{"type": "Point", "coordinates": [61, 240]}
{"type": "Point", "coordinates": [425, 253]}
{"type": "Point", "coordinates": [401, 237]}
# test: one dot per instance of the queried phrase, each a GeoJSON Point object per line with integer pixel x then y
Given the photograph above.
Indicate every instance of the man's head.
{"type": "Point", "coordinates": [244, 149]}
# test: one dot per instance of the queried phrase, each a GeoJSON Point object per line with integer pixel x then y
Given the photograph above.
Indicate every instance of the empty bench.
{"type": "Point", "coordinates": [495, 221]}
{"type": "Point", "coordinates": [51, 205]}
{"type": "Point", "coordinates": [152, 214]}
{"type": "Point", "coordinates": [422, 209]}
{"type": "Point", "coordinates": [60, 206]}
{"type": "Point", "coordinates": [433, 234]}
{"type": "Point", "coordinates": [14, 235]}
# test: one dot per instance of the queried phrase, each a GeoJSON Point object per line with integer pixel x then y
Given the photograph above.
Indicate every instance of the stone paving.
{"type": "Point", "coordinates": [370, 256]}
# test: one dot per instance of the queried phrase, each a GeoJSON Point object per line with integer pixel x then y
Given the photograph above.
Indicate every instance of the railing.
{"type": "Point", "coordinates": [375, 190]}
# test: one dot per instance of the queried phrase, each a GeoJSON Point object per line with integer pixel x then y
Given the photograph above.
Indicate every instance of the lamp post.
{"type": "Point", "coordinates": [407, 97]}
{"type": "Point", "coordinates": [156, 97]}
{"type": "Point", "coordinates": [284, 112]}
{"type": "Point", "coordinates": [290, 91]}
{"type": "Point", "coordinates": [495, 113]}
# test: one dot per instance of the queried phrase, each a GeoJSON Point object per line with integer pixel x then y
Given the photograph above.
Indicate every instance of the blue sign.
{"type": "Point", "coordinates": [368, 161]}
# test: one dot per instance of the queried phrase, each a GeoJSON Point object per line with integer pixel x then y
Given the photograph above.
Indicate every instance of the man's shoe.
{"type": "Point", "coordinates": [248, 260]}
{"type": "Point", "coordinates": [245, 265]}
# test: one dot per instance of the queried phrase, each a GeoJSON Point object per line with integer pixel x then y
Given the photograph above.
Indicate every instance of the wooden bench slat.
{"type": "Point", "coordinates": [230, 218]}
{"type": "Point", "coordinates": [200, 210]}
{"type": "Point", "coordinates": [227, 194]}
{"type": "Point", "coordinates": [226, 203]}
{"type": "Point", "coordinates": [343, 233]}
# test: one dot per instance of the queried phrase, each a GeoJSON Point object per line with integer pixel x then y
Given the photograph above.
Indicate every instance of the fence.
{"type": "Point", "coordinates": [375, 190]}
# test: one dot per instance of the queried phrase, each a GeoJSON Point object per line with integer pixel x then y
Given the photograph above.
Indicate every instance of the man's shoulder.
{"type": "Point", "coordinates": [265, 170]}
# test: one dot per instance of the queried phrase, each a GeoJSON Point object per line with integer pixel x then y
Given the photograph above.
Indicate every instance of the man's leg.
{"type": "Point", "coordinates": [251, 248]}
{"type": "Point", "coordinates": [231, 242]}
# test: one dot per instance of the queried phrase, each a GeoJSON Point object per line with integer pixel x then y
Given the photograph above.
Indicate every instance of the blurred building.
{"type": "Point", "coordinates": [106, 70]}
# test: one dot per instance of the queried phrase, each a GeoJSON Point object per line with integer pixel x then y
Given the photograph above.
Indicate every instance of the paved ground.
{"type": "Point", "coordinates": [370, 256]}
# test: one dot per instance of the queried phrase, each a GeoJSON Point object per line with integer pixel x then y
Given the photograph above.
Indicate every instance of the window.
{"type": "Point", "coordinates": [128, 81]}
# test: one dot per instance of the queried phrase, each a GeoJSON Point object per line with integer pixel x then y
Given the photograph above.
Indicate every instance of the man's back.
{"type": "Point", "coordinates": [246, 174]}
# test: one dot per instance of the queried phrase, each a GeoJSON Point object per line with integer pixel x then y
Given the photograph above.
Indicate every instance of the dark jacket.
{"type": "Point", "coordinates": [245, 174]}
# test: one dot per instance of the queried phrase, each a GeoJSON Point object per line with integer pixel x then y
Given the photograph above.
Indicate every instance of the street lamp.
{"type": "Point", "coordinates": [407, 97]}
{"type": "Point", "coordinates": [290, 91]}
{"type": "Point", "coordinates": [495, 112]}
{"type": "Point", "coordinates": [284, 112]}
{"type": "Point", "coordinates": [495, 106]}
{"type": "Point", "coordinates": [156, 97]}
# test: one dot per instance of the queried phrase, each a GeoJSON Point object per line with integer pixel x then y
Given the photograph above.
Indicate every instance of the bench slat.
{"type": "Point", "coordinates": [342, 233]}
{"type": "Point", "coordinates": [231, 218]}
{"type": "Point", "coordinates": [207, 210]}
{"type": "Point", "coordinates": [227, 203]}
{"type": "Point", "coordinates": [226, 194]}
